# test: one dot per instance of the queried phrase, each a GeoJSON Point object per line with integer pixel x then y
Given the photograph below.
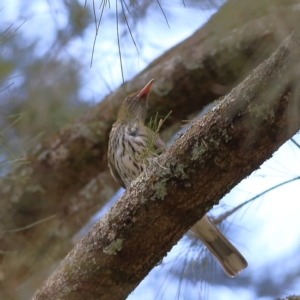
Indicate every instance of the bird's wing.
{"type": "Point", "coordinates": [115, 173]}
{"type": "Point", "coordinates": [159, 143]}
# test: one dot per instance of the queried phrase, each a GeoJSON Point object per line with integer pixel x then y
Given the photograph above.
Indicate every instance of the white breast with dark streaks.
{"type": "Point", "coordinates": [129, 150]}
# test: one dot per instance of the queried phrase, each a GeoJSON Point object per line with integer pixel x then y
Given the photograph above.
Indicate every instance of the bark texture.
{"type": "Point", "coordinates": [203, 164]}
{"type": "Point", "coordinates": [67, 174]}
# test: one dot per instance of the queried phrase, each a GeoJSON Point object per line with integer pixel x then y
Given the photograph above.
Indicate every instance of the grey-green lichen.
{"type": "Point", "coordinates": [83, 130]}
{"type": "Point", "coordinates": [225, 135]}
{"type": "Point", "coordinates": [192, 64]}
{"type": "Point", "coordinates": [163, 88]}
{"type": "Point", "coordinates": [198, 151]}
{"type": "Point", "coordinates": [178, 170]}
{"type": "Point", "coordinates": [16, 194]}
{"type": "Point", "coordinates": [54, 155]}
{"type": "Point", "coordinates": [113, 247]}
{"type": "Point", "coordinates": [35, 188]}
{"type": "Point", "coordinates": [160, 189]}
{"type": "Point", "coordinates": [175, 170]}
{"type": "Point", "coordinates": [263, 111]}
{"type": "Point", "coordinates": [89, 189]}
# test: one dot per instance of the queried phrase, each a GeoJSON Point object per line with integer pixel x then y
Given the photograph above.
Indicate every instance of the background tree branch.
{"type": "Point", "coordinates": [67, 174]}
{"type": "Point", "coordinates": [203, 164]}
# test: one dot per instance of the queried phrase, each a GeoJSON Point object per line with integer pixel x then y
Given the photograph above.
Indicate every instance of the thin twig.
{"type": "Point", "coordinates": [118, 37]}
{"type": "Point", "coordinates": [230, 212]}
{"type": "Point", "coordinates": [295, 143]}
{"type": "Point", "coordinates": [97, 30]}
{"type": "Point", "coordinates": [7, 87]}
{"type": "Point", "coordinates": [163, 13]}
{"type": "Point", "coordinates": [126, 21]}
{"type": "Point", "coordinates": [28, 226]}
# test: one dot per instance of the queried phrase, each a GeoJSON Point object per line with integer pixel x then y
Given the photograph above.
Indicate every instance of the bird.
{"type": "Point", "coordinates": [131, 147]}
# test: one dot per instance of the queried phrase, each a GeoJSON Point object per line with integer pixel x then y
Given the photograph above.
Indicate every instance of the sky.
{"type": "Point", "coordinates": [105, 70]}
{"type": "Point", "coordinates": [266, 230]}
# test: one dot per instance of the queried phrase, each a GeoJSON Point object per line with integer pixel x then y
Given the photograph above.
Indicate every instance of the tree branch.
{"type": "Point", "coordinates": [211, 157]}
{"type": "Point", "coordinates": [67, 175]}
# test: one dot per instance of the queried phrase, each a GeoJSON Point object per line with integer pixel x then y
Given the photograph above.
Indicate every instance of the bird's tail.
{"type": "Point", "coordinates": [228, 256]}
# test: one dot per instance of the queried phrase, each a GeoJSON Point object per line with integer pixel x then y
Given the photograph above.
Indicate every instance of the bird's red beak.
{"type": "Point", "coordinates": [145, 90]}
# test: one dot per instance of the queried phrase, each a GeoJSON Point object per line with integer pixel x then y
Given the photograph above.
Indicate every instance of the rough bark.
{"type": "Point", "coordinates": [203, 164]}
{"type": "Point", "coordinates": [67, 175]}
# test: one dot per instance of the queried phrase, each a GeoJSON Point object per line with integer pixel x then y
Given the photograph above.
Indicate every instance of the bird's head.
{"type": "Point", "coordinates": [135, 106]}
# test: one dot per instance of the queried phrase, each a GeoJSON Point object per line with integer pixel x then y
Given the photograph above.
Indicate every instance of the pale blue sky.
{"type": "Point", "coordinates": [266, 230]}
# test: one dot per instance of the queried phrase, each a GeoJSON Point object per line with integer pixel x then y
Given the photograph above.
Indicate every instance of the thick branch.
{"type": "Point", "coordinates": [215, 154]}
{"type": "Point", "coordinates": [67, 175]}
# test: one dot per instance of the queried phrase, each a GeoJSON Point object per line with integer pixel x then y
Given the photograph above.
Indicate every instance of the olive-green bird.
{"type": "Point", "coordinates": [130, 149]}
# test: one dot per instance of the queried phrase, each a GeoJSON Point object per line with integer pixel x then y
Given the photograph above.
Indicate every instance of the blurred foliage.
{"type": "Point", "coordinates": [41, 85]}
{"type": "Point", "coordinates": [40, 92]}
